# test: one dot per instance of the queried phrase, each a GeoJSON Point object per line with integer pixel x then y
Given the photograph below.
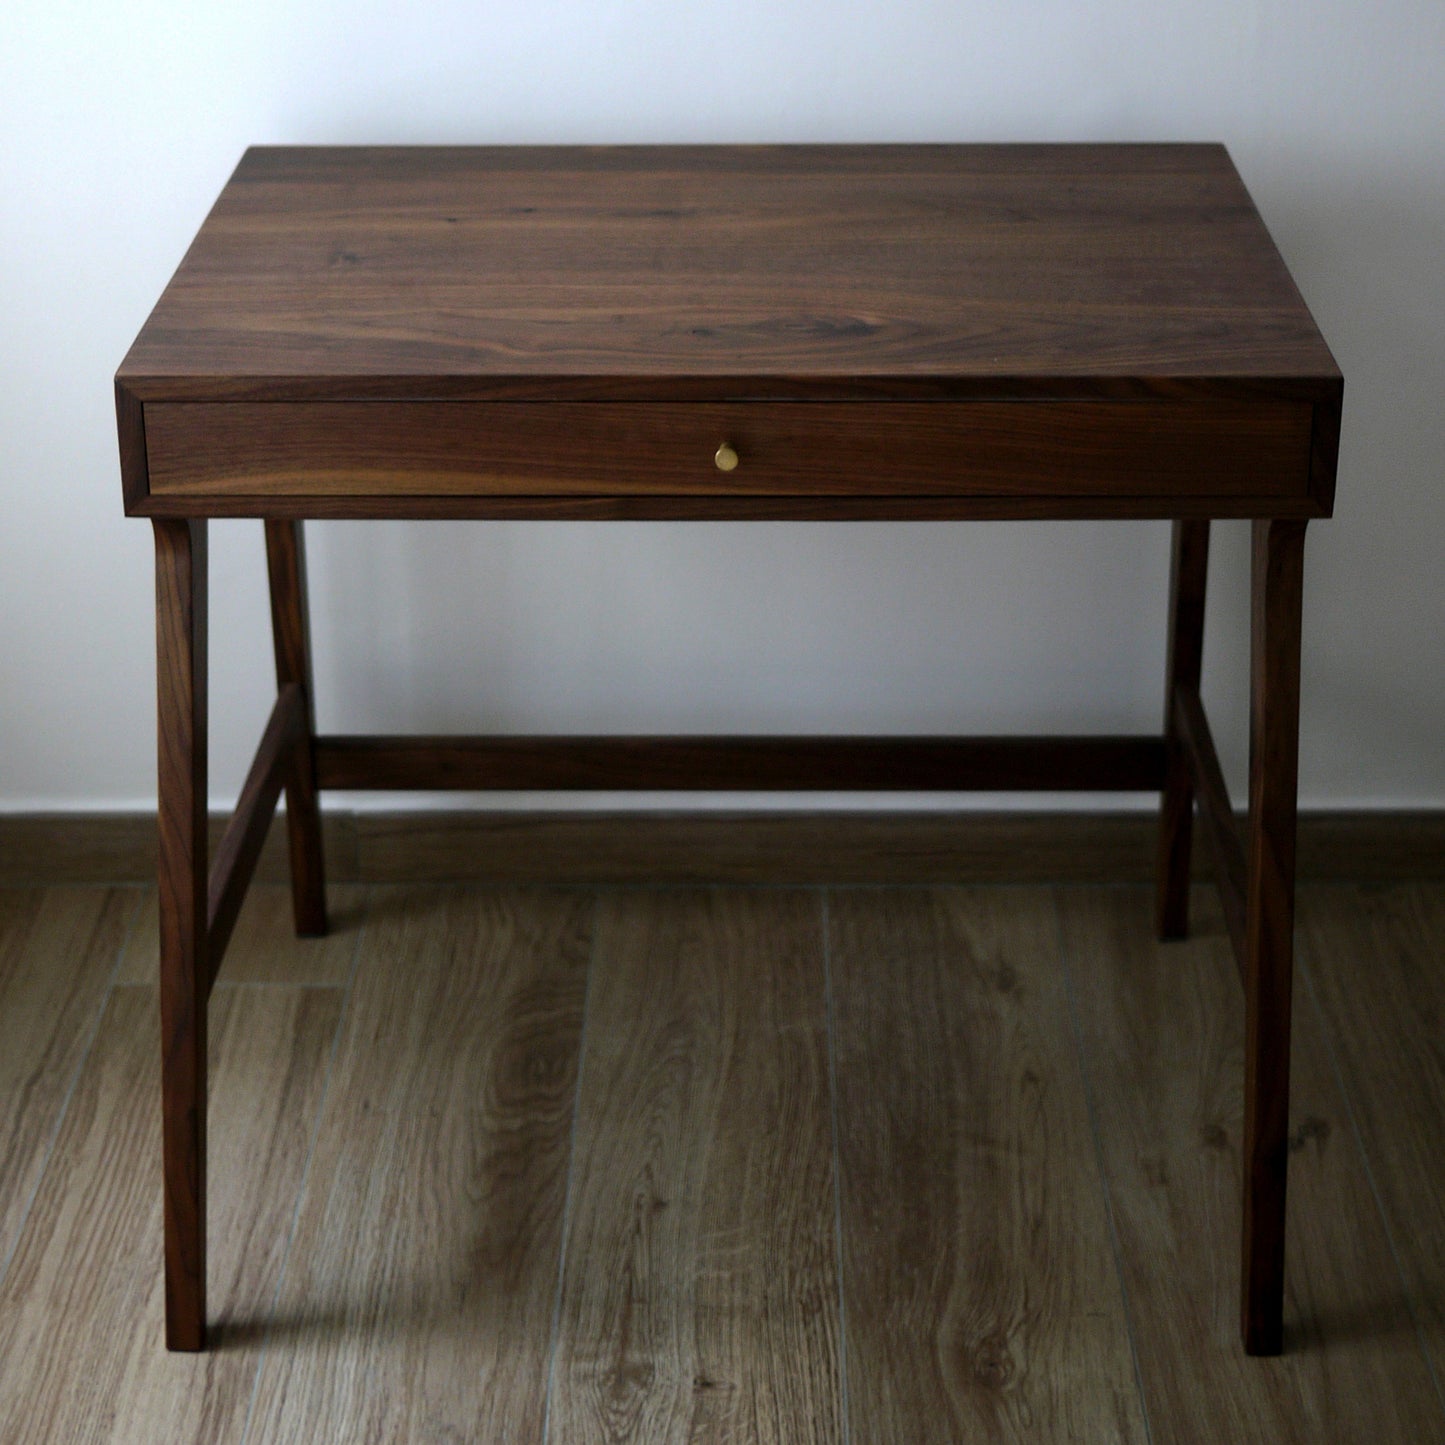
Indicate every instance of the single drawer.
{"type": "Point", "coordinates": [370, 449]}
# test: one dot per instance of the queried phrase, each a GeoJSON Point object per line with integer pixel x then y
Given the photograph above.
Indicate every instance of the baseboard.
{"type": "Point", "coordinates": [681, 847]}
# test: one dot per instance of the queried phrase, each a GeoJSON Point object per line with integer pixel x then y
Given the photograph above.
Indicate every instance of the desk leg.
{"type": "Point", "coordinates": [1187, 574]}
{"type": "Point", "coordinates": [1277, 583]}
{"type": "Point", "coordinates": [290, 626]}
{"type": "Point", "coordinates": [182, 882]}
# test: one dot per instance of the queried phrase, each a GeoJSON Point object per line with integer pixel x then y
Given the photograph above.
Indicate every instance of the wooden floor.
{"type": "Point", "coordinates": [739, 1164]}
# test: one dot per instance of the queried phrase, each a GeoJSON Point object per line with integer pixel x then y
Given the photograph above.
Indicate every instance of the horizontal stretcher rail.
{"type": "Point", "coordinates": [762, 764]}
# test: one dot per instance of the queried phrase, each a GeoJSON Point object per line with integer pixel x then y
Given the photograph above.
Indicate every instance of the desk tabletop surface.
{"type": "Point", "coordinates": [695, 273]}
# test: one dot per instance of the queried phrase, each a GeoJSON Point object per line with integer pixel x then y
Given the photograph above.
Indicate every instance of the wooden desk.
{"type": "Point", "coordinates": [865, 332]}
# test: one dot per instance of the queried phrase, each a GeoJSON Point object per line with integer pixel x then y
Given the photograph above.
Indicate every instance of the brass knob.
{"type": "Point", "coordinates": [726, 458]}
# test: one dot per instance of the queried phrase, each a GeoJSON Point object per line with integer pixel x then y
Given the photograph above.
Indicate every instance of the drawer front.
{"type": "Point", "coordinates": [1046, 449]}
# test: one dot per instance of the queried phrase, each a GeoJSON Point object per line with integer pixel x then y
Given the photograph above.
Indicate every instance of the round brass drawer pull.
{"type": "Point", "coordinates": [726, 458]}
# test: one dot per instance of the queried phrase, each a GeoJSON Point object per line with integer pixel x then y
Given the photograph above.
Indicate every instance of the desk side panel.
{"type": "Point", "coordinates": [131, 433]}
{"type": "Point", "coordinates": [1325, 448]}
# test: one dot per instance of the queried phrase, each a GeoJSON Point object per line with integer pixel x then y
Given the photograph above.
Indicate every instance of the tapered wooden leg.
{"type": "Point", "coordinates": [1187, 575]}
{"type": "Point", "coordinates": [290, 626]}
{"type": "Point", "coordinates": [185, 966]}
{"type": "Point", "coordinates": [1277, 583]}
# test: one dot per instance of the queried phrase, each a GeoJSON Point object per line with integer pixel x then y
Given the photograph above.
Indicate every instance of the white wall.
{"type": "Point", "coordinates": [119, 122]}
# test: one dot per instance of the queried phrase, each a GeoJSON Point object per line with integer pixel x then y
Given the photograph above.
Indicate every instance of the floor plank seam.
{"type": "Point", "coordinates": [1321, 1022]}
{"type": "Point", "coordinates": [837, 1167]}
{"type": "Point", "coordinates": [567, 1187]}
{"type": "Point", "coordinates": [1091, 1110]}
{"type": "Point", "coordinates": [310, 1155]}
{"type": "Point", "coordinates": [101, 1006]}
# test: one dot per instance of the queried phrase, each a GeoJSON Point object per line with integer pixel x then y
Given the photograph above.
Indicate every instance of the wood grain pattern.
{"type": "Point", "coordinates": [981, 1292]}
{"type": "Point", "coordinates": [689, 289]}
{"type": "Point", "coordinates": [671, 845]}
{"type": "Point", "coordinates": [264, 949]}
{"type": "Point", "coordinates": [81, 1312]}
{"type": "Point", "coordinates": [1163, 1044]}
{"type": "Point", "coordinates": [1217, 449]}
{"type": "Point", "coordinates": [40, 849]}
{"type": "Point", "coordinates": [700, 1300]}
{"type": "Point", "coordinates": [58, 948]}
{"type": "Point", "coordinates": [419, 1297]}
{"type": "Point", "coordinates": [1276, 591]}
{"type": "Point", "coordinates": [689, 272]}
{"type": "Point", "coordinates": [185, 972]}
{"type": "Point", "coordinates": [1372, 956]}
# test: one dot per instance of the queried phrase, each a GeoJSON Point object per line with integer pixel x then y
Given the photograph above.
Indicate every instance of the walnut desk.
{"type": "Point", "coordinates": [869, 332]}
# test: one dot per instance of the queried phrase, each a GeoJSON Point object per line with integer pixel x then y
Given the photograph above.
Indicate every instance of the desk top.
{"type": "Point", "coordinates": [725, 273]}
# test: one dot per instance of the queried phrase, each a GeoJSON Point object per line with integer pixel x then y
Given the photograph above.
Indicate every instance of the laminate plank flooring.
{"type": "Point", "coordinates": [1373, 960]}
{"type": "Point", "coordinates": [468, 1185]}
{"type": "Point", "coordinates": [58, 951]}
{"type": "Point", "coordinates": [264, 947]}
{"type": "Point", "coordinates": [419, 1298]}
{"type": "Point", "coordinates": [982, 1297]}
{"type": "Point", "coordinates": [1163, 1033]}
{"type": "Point", "coordinates": [82, 1344]}
{"type": "Point", "coordinates": [700, 1299]}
